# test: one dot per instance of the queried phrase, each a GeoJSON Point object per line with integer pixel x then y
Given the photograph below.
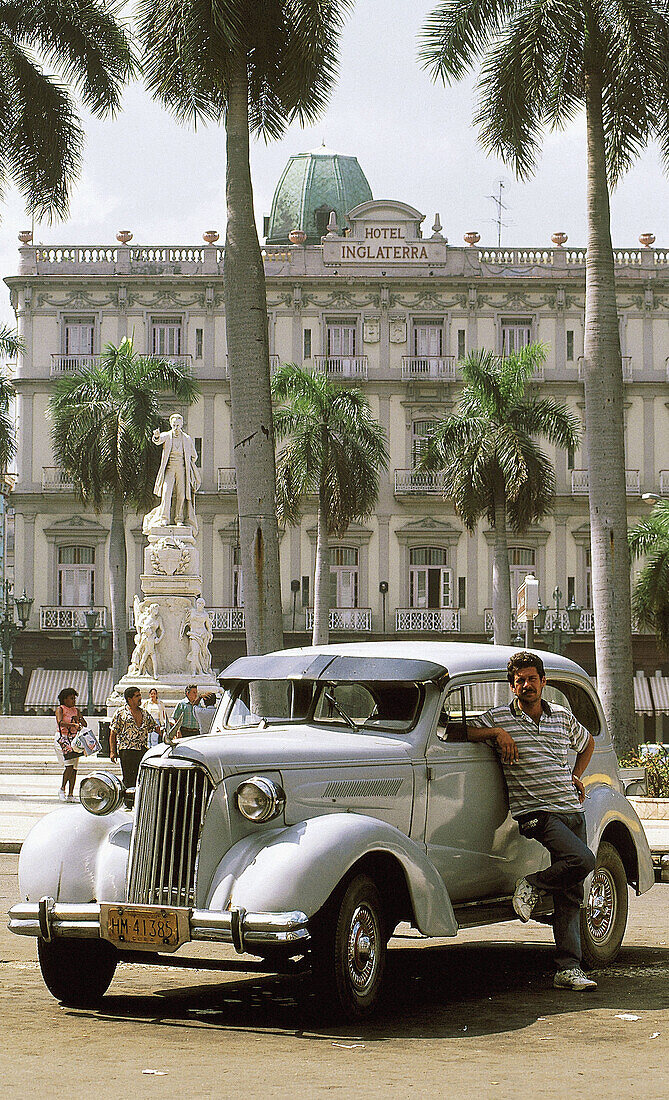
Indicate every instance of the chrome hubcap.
{"type": "Point", "coordinates": [363, 944]}
{"type": "Point", "coordinates": [602, 905]}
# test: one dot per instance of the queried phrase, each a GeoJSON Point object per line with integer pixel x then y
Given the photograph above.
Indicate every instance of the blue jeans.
{"type": "Point", "coordinates": [564, 835]}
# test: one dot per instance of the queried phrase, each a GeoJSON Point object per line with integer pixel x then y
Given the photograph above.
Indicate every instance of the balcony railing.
{"type": "Point", "coordinates": [585, 626]}
{"type": "Point", "coordinates": [65, 364]}
{"type": "Point", "coordinates": [54, 480]}
{"type": "Point", "coordinates": [343, 618]}
{"type": "Point", "coordinates": [226, 481]}
{"type": "Point", "coordinates": [69, 618]}
{"type": "Point", "coordinates": [580, 482]}
{"type": "Point", "coordinates": [628, 368]}
{"type": "Point", "coordinates": [227, 620]}
{"type": "Point", "coordinates": [427, 619]}
{"type": "Point", "coordinates": [418, 481]}
{"type": "Point", "coordinates": [428, 366]}
{"type": "Point", "coordinates": [342, 366]}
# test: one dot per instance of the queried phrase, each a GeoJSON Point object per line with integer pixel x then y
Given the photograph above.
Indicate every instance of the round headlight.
{"type": "Point", "coordinates": [260, 799]}
{"type": "Point", "coordinates": [101, 793]}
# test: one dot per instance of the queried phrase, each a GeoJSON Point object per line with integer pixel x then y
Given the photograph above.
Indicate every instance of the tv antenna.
{"type": "Point", "coordinates": [499, 205]}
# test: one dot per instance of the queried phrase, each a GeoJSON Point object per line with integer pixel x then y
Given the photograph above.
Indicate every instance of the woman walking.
{"type": "Point", "coordinates": [69, 720]}
{"type": "Point", "coordinates": [156, 708]}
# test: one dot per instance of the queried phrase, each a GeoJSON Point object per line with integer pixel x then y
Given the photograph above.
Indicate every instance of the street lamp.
{"type": "Point", "coordinates": [91, 648]}
{"type": "Point", "coordinates": [555, 636]}
{"type": "Point", "coordinates": [9, 628]}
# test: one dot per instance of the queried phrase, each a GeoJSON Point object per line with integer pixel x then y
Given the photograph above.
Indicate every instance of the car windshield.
{"type": "Point", "coordinates": [371, 706]}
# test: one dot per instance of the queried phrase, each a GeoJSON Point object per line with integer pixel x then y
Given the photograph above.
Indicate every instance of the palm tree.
{"type": "Point", "coordinates": [10, 346]}
{"type": "Point", "coordinates": [40, 130]}
{"type": "Point", "coordinates": [491, 462]}
{"type": "Point", "coordinates": [650, 538]}
{"type": "Point", "coordinates": [102, 419]}
{"type": "Point", "coordinates": [540, 64]}
{"type": "Point", "coordinates": [335, 450]}
{"type": "Point", "coordinates": [255, 67]}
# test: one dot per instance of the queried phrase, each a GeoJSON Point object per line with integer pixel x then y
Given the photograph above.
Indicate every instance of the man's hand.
{"type": "Point", "coordinates": [508, 748]}
{"type": "Point", "coordinates": [580, 789]}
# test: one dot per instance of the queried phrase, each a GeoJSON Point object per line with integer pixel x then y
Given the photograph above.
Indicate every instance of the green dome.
{"type": "Point", "coordinates": [311, 185]}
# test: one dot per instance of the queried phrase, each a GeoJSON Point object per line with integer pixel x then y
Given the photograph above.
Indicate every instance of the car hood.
{"type": "Point", "coordinates": [288, 746]}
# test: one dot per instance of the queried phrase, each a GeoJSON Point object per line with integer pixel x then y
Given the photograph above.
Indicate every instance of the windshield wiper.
{"type": "Point", "coordinates": [340, 710]}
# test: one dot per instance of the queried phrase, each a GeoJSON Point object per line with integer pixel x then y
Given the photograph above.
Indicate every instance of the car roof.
{"type": "Point", "coordinates": [407, 660]}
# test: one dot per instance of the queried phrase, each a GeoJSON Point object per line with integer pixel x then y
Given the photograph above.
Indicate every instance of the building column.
{"type": "Point", "coordinates": [207, 560]}
{"type": "Point", "coordinates": [649, 475]}
{"type": "Point", "coordinates": [25, 404]}
{"type": "Point", "coordinates": [560, 556]}
{"type": "Point", "coordinates": [208, 457]}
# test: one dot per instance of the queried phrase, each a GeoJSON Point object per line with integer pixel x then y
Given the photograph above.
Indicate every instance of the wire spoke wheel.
{"type": "Point", "coordinates": [604, 916]}
{"type": "Point", "coordinates": [363, 949]}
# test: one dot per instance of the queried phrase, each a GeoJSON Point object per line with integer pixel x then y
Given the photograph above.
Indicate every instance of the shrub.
{"type": "Point", "coordinates": [657, 770]}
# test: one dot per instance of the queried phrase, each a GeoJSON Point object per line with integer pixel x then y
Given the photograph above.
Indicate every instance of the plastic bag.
{"type": "Point", "coordinates": [86, 742]}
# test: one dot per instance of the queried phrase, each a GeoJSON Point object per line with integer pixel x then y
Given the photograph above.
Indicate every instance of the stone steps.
{"type": "Point", "coordinates": [22, 764]}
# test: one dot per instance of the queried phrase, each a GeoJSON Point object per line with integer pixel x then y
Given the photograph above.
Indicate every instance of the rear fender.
{"type": "Point", "coordinates": [297, 868]}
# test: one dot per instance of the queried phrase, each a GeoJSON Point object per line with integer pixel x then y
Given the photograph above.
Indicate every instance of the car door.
{"type": "Point", "coordinates": [470, 835]}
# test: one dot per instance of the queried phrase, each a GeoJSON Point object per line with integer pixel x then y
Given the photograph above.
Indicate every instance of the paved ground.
{"type": "Point", "coordinates": [473, 1018]}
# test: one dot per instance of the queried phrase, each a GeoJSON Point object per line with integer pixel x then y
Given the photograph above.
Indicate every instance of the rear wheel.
{"type": "Point", "coordinates": [349, 951]}
{"type": "Point", "coordinates": [604, 917]}
{"type": "Point", "coordinates": [77, 972]}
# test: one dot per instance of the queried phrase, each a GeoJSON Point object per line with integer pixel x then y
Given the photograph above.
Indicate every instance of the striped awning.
{"type": "Point", "coordinates": [45, 683]}
{"type": "Point", "coordinates": [659, 686]}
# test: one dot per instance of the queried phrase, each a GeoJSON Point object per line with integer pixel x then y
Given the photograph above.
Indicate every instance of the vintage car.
{"type": "Point", "coordinates": [335, 797]}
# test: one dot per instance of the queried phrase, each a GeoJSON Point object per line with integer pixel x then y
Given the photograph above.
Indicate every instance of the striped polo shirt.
{"type": "Point", "coordinates": [541, 777]}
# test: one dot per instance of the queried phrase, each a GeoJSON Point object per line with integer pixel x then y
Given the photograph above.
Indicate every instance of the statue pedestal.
{"type": "Point", "coordinates": [172, 628]}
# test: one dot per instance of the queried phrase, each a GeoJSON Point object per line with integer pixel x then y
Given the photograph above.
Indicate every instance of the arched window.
{"type": "Point", "coordinates": [430, 578]}
{"type": "Point", "coordinates": [343, 576]}
{"type": "Point", "coordinates": [76, 576]}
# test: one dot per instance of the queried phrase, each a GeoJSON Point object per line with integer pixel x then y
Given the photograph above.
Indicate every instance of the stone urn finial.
{"type": "Point", "coordinates": [332, 226]}
{"type": "Point", "coordinates": [211, 236]}
{"type": "Point", "coordinates": [647, 240]}
{"type": "Point", "coordinates": [297, 236]}
{"type": "Point", "coordinates": [472, 238]}
{"type": "Point", "coordinates": [25, 236]}
{"type": "Point", "coordinates": [124, 236]}
{"type": "Point", "coordinates": [559, 239]}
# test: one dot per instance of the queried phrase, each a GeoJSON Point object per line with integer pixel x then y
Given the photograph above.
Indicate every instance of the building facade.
{"type": "Point", "coordinates": [381, 303]}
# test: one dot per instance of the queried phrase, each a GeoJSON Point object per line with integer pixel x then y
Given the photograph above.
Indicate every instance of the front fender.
{"type": "Point", "coordinates": [68, 852]}
{"type": "Point", "coordinates": [298, 867]}
{"type": "Point", "coordinates": [610, 816]}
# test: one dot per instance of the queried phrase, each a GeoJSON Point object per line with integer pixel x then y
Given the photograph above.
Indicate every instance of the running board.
{"type": "Point", "coordinates": [494, 910]}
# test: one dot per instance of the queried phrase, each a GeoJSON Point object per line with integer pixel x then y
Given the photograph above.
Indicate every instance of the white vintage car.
{"type": "Point", "coordinates": [335, 797]}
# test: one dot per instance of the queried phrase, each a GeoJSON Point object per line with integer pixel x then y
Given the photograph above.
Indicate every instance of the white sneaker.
{"type": "Point", "coordinates": [62, 796]}
{"type": "Point", "coordinates": [71, 798]}
{"type": "Point", "coordinates": [573, 979]}
{"type": "Point", "coordinates": [524, 899]}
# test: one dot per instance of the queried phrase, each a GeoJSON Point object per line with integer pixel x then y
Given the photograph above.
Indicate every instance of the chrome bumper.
{"type": "Point", "coordinates": [49, 919]}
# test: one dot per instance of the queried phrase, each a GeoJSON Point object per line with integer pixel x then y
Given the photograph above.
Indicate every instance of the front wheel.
{"type": "Point", "coordinates": [349, 951]}
{"type": "Point", "coordinates": [604, 917]}
{"type": "Point", "coordinates": [77, 972]}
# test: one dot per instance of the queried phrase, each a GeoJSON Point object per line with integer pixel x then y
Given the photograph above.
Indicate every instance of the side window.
{"type": "Point", "coordinates": [463, 706]}
{"type": "Point", "coordinates": [451, 725]}
{"type": "Point", "coordinates": [579, 702]}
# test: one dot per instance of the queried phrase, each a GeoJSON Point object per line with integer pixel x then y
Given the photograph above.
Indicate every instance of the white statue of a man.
{"type": "Point", "coordinates": [177, 481]}
{"type": "Point", "coordinates": [149, 631]}
{"type": "Point", "coordinates": [200, 633]}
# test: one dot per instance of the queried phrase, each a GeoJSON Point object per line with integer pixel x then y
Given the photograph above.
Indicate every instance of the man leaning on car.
{"type": "Point", "coordinates": [532, 738]}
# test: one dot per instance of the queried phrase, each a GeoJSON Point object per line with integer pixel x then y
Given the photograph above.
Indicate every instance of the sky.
{"type": "Point", "coordinates": [414, 141]}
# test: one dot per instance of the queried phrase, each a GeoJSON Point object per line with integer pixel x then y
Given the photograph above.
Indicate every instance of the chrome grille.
{"type": "Point", "coordinates": [171, 804]}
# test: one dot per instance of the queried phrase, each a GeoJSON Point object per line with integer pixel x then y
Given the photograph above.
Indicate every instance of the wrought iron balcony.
{"type": "Point", "coordinates": [427, 619]}
{"type": "Point", "coordinates": [54, 480]}
{"type": "Point", "coordinates": [580, 482]}
{"type": "Point", "coordinates": [628, 368]}
{"type": "Point", "coordinates": [428, 366]}
{"type": "Point", "coordinates": [68, 618]}
{"type": "Point", "coordinates": [418, 481]}
{"type": "Point", "coordinates": [227, 479]}
{"type": "Point", "coordinates": [585, 626]}
{"type": "Point", "coordinates": [342, 366]}
{"type": "Point", "coordinates": [343, 618]}
{"type": "Point", "coordinates": [227, 620]}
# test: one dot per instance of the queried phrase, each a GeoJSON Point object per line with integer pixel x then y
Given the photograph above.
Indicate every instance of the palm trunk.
{"type": "Point", "coordinates": [248, 363]}
{"type": "Point", "coordinates": [501, 575]}
{"type": "Point", "coordinates": [321, 629]}
{"type": "Point", "coordinates": [604, 426]}
{"type": "Point", "coordinates": [118, 566]}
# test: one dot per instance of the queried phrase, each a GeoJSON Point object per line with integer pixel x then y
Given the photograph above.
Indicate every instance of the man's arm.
{"type": "Point", "coordinates": [508, 749]}
{"type": "Point", "coordinates": [583, 758]}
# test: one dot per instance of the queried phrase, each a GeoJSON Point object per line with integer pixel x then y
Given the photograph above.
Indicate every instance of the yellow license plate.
{"type": "Point", "coordinates": [157, 926]}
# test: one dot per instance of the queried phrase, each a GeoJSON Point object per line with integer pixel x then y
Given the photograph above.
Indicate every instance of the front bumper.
{"type": "Point", "coordinates": [246, 931]}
